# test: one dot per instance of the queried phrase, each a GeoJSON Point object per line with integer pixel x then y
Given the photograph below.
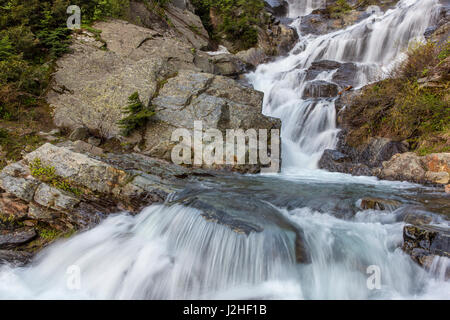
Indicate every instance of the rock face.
{"type": "Point", "coordinates": [217, 101]}
{"type": "Point", "coordinates": [170, 73]}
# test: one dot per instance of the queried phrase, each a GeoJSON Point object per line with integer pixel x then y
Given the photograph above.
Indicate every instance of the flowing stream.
{"type": "Point", "coordinates": [296, 235]}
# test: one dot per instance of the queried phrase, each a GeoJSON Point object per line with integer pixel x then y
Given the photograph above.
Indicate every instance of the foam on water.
{"type": "Point", "coordinates": [375, 45]}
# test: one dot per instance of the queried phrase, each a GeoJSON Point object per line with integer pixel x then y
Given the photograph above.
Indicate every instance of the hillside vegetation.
{"type": "Point", "coordinates": [411, 106]}
{"type": "Point", "coordinates": [232, 20]}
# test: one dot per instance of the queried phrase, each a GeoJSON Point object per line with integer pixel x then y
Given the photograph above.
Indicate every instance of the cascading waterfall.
{"type": "Point", "coordinates": [172, 252]}
{"type": "Point", "coordinates": [301, 8]}
{"type": "Point", "coordinates": [374, 45]}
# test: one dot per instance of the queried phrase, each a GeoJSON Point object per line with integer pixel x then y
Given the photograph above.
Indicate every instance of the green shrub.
{"type": "Point", "coordinates": [339, 8]}
{"type": "Point", "coordinates": [137, 115]}
{"type": "Point", "coordinates": [236, 19]}
{"type": "Point", "coordinates": [403, 109]}
{"type": "Point", "coordinates": [33, 33]}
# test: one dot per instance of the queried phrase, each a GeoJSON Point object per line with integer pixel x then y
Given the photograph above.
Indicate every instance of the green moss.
{"type": "Point", "coordinates": [340, 8]}
{"type": "Point", "coordinates": [47, 174]}
{"type": "Point", "coordinates": [13, 144]}
{"type": "Point", "coordinates": [48, 234]}
{"type": "Point", "coordinates": [402, 108]}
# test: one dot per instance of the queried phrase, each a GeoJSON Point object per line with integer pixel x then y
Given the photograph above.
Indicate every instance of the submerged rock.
{"type": "Point", "coordinates": [320, 89]}
{"type": "Point", "coordinates": [379, 204]}
{"type": "Point", "coordinates": [242, 215]}
{"type": "Point", "coordinates": [423, 243]}
{"type": "Point", "coordinates": [344, 75]}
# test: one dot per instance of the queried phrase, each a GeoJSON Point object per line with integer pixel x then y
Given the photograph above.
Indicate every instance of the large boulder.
{"type": "Point", "coordinates": [320, 89]}
{"type": "Point", "coordinates": [335, 161]}
{"type": "Point", "coordinates": [433, 168]}
{"type": "Point", "coordinates": [219, 102]}
{"type": "Point", "coordinates": [344, 75]}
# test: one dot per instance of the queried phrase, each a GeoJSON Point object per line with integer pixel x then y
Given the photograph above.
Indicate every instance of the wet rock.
{"type": "Point", "coordinates": [415, 216]}
{"type": "Point", "coordinates": [15, 258]}
{"type": "Point", "coordinates": [336, 161]}
{"type": "Point", "coordinates": [424, 242]}
{"type": "Point", "coordinates": [242, 215]}
{"type": "Point", "coordinates": [378, 150]}
{"type": "Point", "coordinates": [12, 239]}
{"type": "Point", "coordinates": [79, 133]}
{"type": "Point", "coordinates": [320, 89]}
{"type": "Point", "coordinates": [314, 24]}
{"type": "Point", "coordinates": [379, 204]}
{"type": "Point", "coordinates": [317, 67]}
{"type": "Point", "coordinates": [345, 76]}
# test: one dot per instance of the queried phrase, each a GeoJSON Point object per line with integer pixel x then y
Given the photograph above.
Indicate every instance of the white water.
{"type": "Point", "coordinates": [301, 8]}
{"type": "Point", "coordinates": [374, 44]}
{"type": "Point", "coordinates": [174, 253]}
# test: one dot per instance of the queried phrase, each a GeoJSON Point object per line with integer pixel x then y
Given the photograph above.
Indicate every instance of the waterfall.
{"type": "Point", "coordinates": [174, 252]}
{"type": "Point", "coordinates": [163, 253]}
{"type": "Point", "coordinates": [366, 52]}
{"type": "Point", "coordinates": [300, 8]}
